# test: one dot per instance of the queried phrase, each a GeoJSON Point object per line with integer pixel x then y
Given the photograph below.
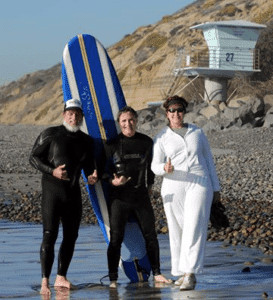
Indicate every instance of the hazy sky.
{"type": "Point", "coordinates": [34, 32]}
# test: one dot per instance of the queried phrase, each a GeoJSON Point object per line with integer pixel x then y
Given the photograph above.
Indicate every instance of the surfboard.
{"type": "Point", "coordinates": [89, 75]}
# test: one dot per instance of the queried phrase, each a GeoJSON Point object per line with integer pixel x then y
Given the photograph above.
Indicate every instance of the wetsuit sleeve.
{"type": "Point", "coordinates": [210, 162]}
{"type": "Point", "coordinates": [89, 163]}
{"type": "Point", "coordinates": [106, 164]}
{"type": "Point", "coordinates": [39, 153]}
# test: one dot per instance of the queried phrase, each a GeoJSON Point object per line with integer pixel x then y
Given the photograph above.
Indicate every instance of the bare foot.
{"type": "Point", "coordinates": [45, 290]}
{"type": "Point", "coordinates": [162, 279]}
{"type": "Point", "coordinates": [61, 281]}
{"type": "Point", "coordinates": [62, 293]}
{"type": "Point", "coordinates": [113, 284]}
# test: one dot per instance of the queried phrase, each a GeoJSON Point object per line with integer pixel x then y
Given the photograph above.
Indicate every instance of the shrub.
{"type": "Point", "coordinates": [166, 19]}
{"type": "Point", "coordinates": [264, 17]}
{"type": "Point", "coordinates": [42, 113]}
{"type": "Point", "coordinates": [174, 30]}
{"type": "Point", "coordinates": [229, 10]}
{"type": "Point", "coordinates": [265, 45]}
{"type": "Point", "coordinates": [148, 67]}
{"type": "Point", "coordinates": [154, 40]}
{"type": "Point", "coordinates": [209, 3]}
{"type": "Point", "coordinates": [128, 41]}
{"type": "Point", "coordinates": [122, 73]}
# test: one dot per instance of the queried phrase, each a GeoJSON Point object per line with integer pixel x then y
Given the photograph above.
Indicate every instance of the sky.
{"type": "Point", "coordinates": [33, 33]}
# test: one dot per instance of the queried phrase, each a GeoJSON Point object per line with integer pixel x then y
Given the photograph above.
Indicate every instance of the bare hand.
{"type": "Point", "coordinates": [60, 173]}
{"type": "Point", "coordinates": [119, 180]}
{"type": "Point", "coordinates": [92, 179]}
{"type": "Point", "coordinates": [168, 166]}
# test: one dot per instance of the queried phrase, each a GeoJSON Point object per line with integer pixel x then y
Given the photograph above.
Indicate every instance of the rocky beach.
{"type": "Point", "coordinates": [244, 163]}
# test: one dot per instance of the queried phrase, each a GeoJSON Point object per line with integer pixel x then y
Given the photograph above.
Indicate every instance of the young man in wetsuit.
{"type": "Point", "coordinates": [129, 163]}
{"type": "Point", "coordinates": [60, 153]}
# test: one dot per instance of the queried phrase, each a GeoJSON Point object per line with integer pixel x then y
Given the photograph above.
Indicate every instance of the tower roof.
{"type": "Point", "coordinates": [233, 23]}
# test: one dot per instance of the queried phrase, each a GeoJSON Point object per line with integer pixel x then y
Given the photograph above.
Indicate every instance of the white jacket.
{"type": "Point", "coordinates": [189, 155]}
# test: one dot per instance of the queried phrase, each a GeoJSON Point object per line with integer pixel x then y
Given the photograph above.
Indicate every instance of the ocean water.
{"type": "Point", "coordinates": [223, 276]}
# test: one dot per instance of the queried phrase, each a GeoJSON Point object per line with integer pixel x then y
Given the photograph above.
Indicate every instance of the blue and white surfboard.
{"type": "Point", "coordinates": [88, 74]}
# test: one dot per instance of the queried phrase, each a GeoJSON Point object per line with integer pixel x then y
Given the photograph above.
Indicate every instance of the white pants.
{"type": "Point", "coordinates": [187, 206]}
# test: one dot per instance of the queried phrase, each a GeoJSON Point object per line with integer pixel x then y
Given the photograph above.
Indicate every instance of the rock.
{"type": "Point", "coordinates": [211, 127]}
{"type": "Point", "coordinates": [220, 121]}
{"type": "Point", "coordinates": [164, 229]}
{"type": "Point", "coordinates": [267, 260]}
{"type": "Point", "coordinates": [268, 121]}
{"type": "Point", "coordinates": [268, 101]}
{"type": "Point", "coordinates": [249, 263]}
{"type": "Point", "coordinates": [215, 103]}
{"type": "Point", "coordinates": [190, 117]}
{"type": "Point", "coordinates": [222, 106]}
{"type": "Point", "coordinates": [231, 113]}
{"type": "Point", "coordinates": [235, 103]}
{"type": "Point", "coordinates": [258, 122]}
{"type": "Point", "coordinates": [200, 121]}
{"type": "Point", "coordinates": [160, 114]}
{"type": "Point", "coordinates": [244, 168]}
{"type": "Point", "coordinates": [243, 113]}
{"type": "Point", "coordinates": [265, 295]}
{"type": "Point", "coordinates": [209, 112]}
{"type": "Point", "coordinates": [256, 105]}
{"type": "Point", "coordinates": [145, 115]}
{"type": "Point", "coordinates": [145, 127]}
{"type": "Point", "coordinates": [196, 109]}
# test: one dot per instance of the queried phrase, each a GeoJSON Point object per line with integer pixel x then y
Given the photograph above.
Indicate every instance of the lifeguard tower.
{"type": "Point", "coordinates": [231, 50]}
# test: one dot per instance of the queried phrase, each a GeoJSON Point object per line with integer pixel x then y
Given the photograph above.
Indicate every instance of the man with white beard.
{"type": "Point", "coordinates": [60, 153]}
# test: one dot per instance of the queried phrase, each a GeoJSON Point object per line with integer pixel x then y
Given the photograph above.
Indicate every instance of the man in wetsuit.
{"type": "Point", "coordinates": [60, 153]}
{"type": "Point", "coordinates": [129, 163]}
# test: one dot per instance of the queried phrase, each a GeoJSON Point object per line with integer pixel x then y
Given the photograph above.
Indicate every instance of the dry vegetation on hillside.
{"type": "Point", "coordinates": [144, 61]}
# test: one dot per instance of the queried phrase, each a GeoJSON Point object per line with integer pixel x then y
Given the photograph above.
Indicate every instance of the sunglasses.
{"type": "Point", "coordinates": [173, 110]}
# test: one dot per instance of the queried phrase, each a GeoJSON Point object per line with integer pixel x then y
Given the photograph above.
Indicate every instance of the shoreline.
{"type": "Point", "coordinates": [244, 163]}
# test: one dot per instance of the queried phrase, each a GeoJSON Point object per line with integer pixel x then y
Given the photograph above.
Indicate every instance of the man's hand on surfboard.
{"type": "Point", "coordinates": [92, 179]}
{"type": "Point", "coordinates": [60, 172]}
{"type": "Point", "coordinates": [119, 180]}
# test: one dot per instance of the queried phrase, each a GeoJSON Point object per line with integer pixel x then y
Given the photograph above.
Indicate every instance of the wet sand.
{"type": "Point", "coordinates": [223, 276]}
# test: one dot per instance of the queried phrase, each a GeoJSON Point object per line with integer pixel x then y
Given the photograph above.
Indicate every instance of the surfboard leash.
{"type": "Point", "coordinates": [140, 271]}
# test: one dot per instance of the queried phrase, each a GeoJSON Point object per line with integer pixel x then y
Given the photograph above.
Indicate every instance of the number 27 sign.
{"type": "Point", "coordinates": [229, 56]}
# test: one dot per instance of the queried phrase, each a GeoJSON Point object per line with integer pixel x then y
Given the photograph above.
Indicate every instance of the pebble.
{"type": "Point", "coordinates": [246, 177]}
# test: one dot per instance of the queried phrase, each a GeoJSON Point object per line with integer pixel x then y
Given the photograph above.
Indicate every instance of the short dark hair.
{"type": "Point", "coordinates": [126, 109]}
{"type": "Point", "coordinates": [175, 100]}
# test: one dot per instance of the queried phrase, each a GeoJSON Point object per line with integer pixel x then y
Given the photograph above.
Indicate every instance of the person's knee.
{"type": "Point", "coordinates": [70, 239]}
{"type": "Point", "coordinates": [49, 239]}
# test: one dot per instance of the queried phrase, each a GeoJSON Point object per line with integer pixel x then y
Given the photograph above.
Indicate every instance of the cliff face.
{"type": "Point", "coordinates": [144, 61]}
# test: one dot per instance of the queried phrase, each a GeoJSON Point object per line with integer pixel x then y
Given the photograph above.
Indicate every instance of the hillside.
{"type": "Point", "coordinates": [144, 61]}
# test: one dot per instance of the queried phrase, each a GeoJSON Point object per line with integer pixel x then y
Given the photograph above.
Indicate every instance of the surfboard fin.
{"type": "Point", "coordinates": [138, 270]}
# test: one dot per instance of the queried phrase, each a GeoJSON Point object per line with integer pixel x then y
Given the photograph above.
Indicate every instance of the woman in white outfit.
{"type": "Point", "coordinates": [183, 157]}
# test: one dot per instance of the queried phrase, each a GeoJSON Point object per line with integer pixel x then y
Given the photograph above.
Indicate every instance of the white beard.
{"type": "Point", "coordinates": [72, 128]}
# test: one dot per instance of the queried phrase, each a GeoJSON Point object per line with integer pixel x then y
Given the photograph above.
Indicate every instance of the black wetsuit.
{"type": "Point", "coordinates": [131, 157]}
{"type": "Point", "coordinates": [61, 199]}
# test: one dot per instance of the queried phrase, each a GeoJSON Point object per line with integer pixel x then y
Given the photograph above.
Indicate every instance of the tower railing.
{"type": "Point", "coordinates": [238, 59]}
